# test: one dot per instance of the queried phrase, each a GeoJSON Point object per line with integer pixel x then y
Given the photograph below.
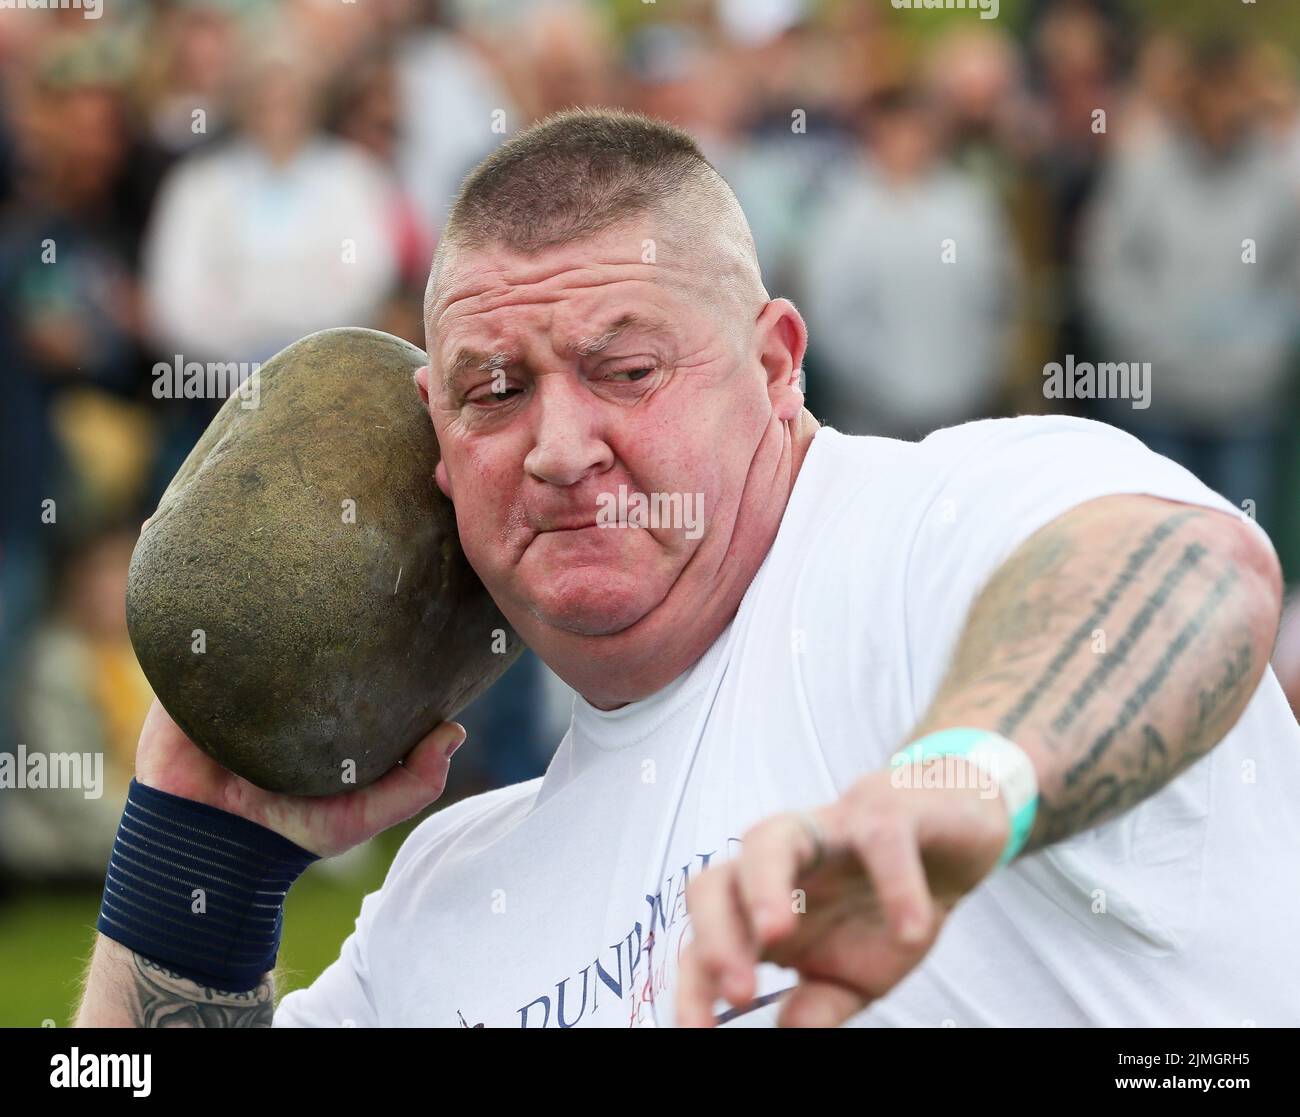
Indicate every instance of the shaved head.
{"type": "Point", "coordinates": [580, 172]}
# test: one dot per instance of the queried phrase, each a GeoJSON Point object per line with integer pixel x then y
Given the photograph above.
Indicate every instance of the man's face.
{"type": "Point", "coordinates": [1220, 111]}
{"type": "Point", "coordinates": [613, 373]}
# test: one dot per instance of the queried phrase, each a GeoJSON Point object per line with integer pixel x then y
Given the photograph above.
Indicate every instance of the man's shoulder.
{"type": "Point", "coordinates": [992, 451]}
{"type": "Point", "coordinates": [961, 436]}
{"type": "Point", "coordinates": [949, 444]}
{"type": "Point", "coordinates": [465, 825]}
{"type": "Point", "coordinates": [903, 465]}
{"type": "Point", "coordinates": [987, 478]}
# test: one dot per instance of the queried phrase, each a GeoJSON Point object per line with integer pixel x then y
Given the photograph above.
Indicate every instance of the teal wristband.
{"type": "Point", "coordinates": [1005, 761]}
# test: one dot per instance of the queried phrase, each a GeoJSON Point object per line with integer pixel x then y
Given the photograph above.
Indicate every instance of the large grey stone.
{"type": "Point", "coordinates": [323, 641]}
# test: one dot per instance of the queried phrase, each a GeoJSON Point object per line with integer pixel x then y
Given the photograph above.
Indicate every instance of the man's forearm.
{"type": "Point", "coordinates": [124, 990]}
{"type": "Point", "coordinates": [1116, 646]}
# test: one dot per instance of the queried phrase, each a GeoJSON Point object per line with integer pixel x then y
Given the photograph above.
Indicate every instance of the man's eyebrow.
{"type": "Point", "coordinates": [471, 360]}
{"type": "Point", "coordinates": [630, 321]}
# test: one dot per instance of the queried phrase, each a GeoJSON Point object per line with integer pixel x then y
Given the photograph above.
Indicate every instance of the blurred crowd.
{"type": "Point", "coordinates": [953, 203]}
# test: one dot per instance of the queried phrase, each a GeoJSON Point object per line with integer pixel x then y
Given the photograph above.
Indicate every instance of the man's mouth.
{"type": "Point", "coordinates": [564, 525]}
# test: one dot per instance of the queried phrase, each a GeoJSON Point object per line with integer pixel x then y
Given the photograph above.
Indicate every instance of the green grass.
{"type": "Point", "coordinates": [46, 939]}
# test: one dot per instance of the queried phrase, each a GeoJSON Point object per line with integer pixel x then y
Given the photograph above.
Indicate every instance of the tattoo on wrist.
{"type": "Point", "coordinates": [161, 998]}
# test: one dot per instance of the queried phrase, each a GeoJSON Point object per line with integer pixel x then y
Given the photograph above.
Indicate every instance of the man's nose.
{"type": "Point", "coordinates": [569, 443]}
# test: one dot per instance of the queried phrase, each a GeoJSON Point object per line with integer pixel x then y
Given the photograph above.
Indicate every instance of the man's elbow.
{"type": "Point", "coordinates": [1260, 573]}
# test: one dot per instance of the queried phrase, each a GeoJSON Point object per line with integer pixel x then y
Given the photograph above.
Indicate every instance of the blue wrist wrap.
{"type": "Point", "coordinates": [198, 889]}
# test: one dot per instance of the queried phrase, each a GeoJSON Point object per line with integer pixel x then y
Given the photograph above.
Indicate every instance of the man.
{"type": "Point", "coordinates": [1086, 613]}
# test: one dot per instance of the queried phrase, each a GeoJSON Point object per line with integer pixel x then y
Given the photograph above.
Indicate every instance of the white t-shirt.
{"type": "Point", "coordinates": [560, 901]}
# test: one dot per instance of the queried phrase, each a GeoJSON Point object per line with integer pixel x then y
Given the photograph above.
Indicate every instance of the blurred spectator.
{"type": "Point", "coordinates": [186, 79]}
{"type": "Point", "coordinates": [67, 309]}
{"type": "Point", "coordinates": [906, 285]}
{"type": "Point", "coordinates": [1075, 54]}
{"type": "Point", "coordinates": [1194, 265]}
{"type": "Point", "coordinates": [673, 72]}
{"type": "Point", "coordinates": [450, 97]}
{"type": "Point", "coordinates": [280, 232]}
{"type": "Point", "coordinates": [82, 692]}
{"type": "Point", "coordinates": [365, 105]}
{"type": "Point", "coordinates": [1156, 91]}
{"type": "Point", "coordinates": [753, 22]}
{"type": "Point", "coordinates": [774, 116]}
{"type": "Point", "coordinates": [365, 108]}
{"type": "Point", "coordinates": [568, 56]}
{"type": "Point", "coordinates": [975, 78]}
{"type": "Point", "coordinates": [1276, 90]}
{"type": "Point", "coordinates": [975, 75]}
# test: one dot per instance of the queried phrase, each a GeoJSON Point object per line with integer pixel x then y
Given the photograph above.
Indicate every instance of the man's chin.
{"type": "Point", "coordinates": [588, 618]}
{"type": "Point", "coordinates": [592, 607]}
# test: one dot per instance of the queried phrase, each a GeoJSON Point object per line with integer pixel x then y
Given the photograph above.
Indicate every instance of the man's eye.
{"type": "Point", "coordinates": [632, 374]}
{"type": "Point", "coordinates": [490, 397]}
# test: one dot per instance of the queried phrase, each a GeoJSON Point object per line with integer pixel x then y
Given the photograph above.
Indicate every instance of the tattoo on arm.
{"type": "Point", "coordinates": [1052, 540]}
{"type": "Point", "coordinates": [1109, 795]}
{"type": "Point", "coordinates": [160, 998]}
{"type": "Point", "coordinates": [1120, 720]}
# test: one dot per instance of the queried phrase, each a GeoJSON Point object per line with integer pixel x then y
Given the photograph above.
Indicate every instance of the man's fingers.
{"type": "Point", "coordinates": [694, 1007]}
{"type": "Point", "coordinates": [431, 758]}
{"type": "Point", "coordinates": [720, 959]}
{"type": "Point", "coordinates": [768, 865]}
{"type": "Point", "coordinates": [417, 781]}
{"type": "Point", "coordinates": [159, 725]}
{"type": "Point", "coordinates": [819, 1004]}
{"type": "Point", "coordinates": [887, 846]}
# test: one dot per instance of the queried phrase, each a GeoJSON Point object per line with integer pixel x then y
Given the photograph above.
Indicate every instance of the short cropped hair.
{"type": "Point", "coordinates": [581, 171]}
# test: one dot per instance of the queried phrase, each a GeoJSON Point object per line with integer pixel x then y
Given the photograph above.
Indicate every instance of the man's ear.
{"type": "Point", "coordinates": [783, 341]}
{"type": "Point", "coordinates": [440, 474]}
